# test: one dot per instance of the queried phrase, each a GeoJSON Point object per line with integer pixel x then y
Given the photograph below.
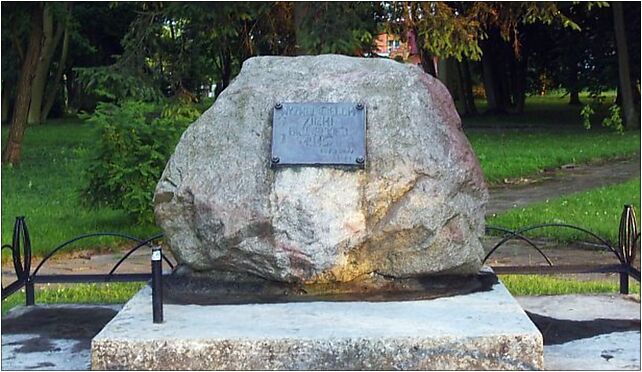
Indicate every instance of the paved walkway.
{"type": "Point", "coordinates": [581, 332]}
{"type": "Point", "coordinates": [561, 182]}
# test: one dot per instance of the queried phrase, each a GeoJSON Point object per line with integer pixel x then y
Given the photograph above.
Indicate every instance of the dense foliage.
{"type": "Point", "coordinates": [136, 141]}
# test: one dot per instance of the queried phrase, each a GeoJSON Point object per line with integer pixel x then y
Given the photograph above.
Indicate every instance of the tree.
{"type": "Point", "coordinates": [486, 31]}
{"type": "Point", "coordinates": [631, 108]}
{"type": "Point", "coordinates": [12, 152]}
{"type": "Point", "coordinates": [335, 27]}
{"type": "Point", "coordinates": [54, 24]}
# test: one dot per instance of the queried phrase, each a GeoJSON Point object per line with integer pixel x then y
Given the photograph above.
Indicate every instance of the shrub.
{"type": "Point", "coordinates": [136, 140]}
{"type": "Point", "coordinates": [612, 121]}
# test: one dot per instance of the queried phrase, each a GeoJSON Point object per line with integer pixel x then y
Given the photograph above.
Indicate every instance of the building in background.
{"type": "Point", "coordinates": [391, 46]}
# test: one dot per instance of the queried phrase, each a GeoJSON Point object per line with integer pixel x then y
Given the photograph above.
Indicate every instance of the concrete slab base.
{"type": "Point", "coordinates": [483, 330]}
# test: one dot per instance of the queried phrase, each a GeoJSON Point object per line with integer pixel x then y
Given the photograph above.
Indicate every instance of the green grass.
{"type": "Point", "coordinates": [514, 153]}
{"type": "Point", "coordinates": [110, 293]}
{"type": "Point", "coordinates": [538, 285]}
{"type": "Point", "coordinates": [597, 210]}
{"type": "Point", "coordinates": [550, 111]}
{"type": "Point", "coordinates": [547, 135]}
{"type": "Point", "coordinates": [45, 189]}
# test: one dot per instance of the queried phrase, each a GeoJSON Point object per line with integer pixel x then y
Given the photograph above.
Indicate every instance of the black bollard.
{"type": "Point", "coordinates": [30, 293]}
{"type": "Point", "coordinates": [624, 283]}
{"type": "Point", "coordinates": [157, 284]}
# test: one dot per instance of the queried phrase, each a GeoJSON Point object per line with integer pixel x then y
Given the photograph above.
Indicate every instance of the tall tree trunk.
{"type": "Point", "coordinates": [519, 86]}
{"type": "Point", "coordinates": [461, 95]}
{"type": "Point", "coordinates": [53, 90]}
{"type": "Point", "coordinates": [427, 62]}
{"type": "Point", "coordinates": [71, 86]}
{"type": "Point", "coordinates": [50, 41]}
{"type": "Point", "coordinates": [574, 97]}
{"type": "Point", "coordinates": [12, 151]}
{"type": "Point", "coordinates": [225, 69]}
{"type": "Point", "coordinates": [5, 102]}
{"type": "Point", "coordinates": [494, 71]}
{"type": "Point", "coordinates": [631, 112]}
{"type": "Point", "coordinates": [573, 86]}
{"type": "Point", "coordinates": [490, 84]}
{"type": "Point", "coordinates": [469, 96]}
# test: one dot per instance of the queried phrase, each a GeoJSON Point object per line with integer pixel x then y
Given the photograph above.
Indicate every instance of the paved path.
{"type": "Point", "coordinates": [562, 181]}
{"type": "Point", "coordinates": [52, 337]}
{"type": "Point", "coordinates": [600, 332]}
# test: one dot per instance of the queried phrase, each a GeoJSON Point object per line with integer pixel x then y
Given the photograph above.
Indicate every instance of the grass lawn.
{"type": "Point", "coordinates": [597, 210]}
{"type": "Point", "coordinates": [507, 148]}
{"type": "Point", "coordinates": [548, 134]}
{"type": "Point", "coordinates": [45, 189]}
{"type": "Point", "coordinates": [514, 153]}
{"type": "Point", "coordinates": [549, 111]}
{"type": "Point", "coordinates": [539, 285]}
{"type": "Point", "coordinates": [110, 293]}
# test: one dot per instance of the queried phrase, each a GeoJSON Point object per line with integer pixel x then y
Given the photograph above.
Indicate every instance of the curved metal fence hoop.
{"type": "Point", "coordinates": [15, 244]}
{"type": "Point", "coordinates": [80, 237]}
{"type": "Point", "coordinates": [134, 249]}
{"type": "Point", "coordinates": [628, 234]}
{"type": "Point", "coordinates": [26, 239]}
{"type": "Point", "coordinates": [590, 233]}
{"type": "Point", "coordinates": [514, 235]}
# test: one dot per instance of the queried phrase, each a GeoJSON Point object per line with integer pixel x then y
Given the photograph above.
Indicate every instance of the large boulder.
{"type": "Point", "coordinates": [417, 208]}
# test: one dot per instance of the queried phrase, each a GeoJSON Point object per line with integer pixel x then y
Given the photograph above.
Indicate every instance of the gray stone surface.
{"type": "Point", "coordinates": [613, 351]}
{"type": "Point", "coordinates": [610, 351]}
{"type": "Point", "coordinates": [416, 208]}
{"type": "Point", "coordinates": [61, 344]}
{"type": "Point", "coordinates": [582, 307]}
{"type": "Point", "coordinates": [484, 330]}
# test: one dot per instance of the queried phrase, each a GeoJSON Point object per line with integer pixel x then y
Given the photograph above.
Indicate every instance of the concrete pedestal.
{"type": "Point", "coordinates": [483, 330]}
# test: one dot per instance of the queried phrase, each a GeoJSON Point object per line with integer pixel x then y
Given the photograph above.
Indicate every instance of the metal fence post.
{"type": "Point", "coordinates": [30, 296]}
{"type": "Point", "coordinates": [157, 284]}
{"type": "Point", "coordinates": [624, 283]}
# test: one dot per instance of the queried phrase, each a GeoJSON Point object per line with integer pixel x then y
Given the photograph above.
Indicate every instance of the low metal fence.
{"type": "Point", "coordinates": [26, 278]}
{"type": "Point", "coordinates": [624, 251]}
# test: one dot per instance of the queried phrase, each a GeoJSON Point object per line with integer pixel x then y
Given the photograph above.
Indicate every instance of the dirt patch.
{"type": "Point", "coordinates": [560, 331]}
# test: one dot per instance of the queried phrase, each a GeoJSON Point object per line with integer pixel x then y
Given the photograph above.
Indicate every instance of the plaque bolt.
{"type": "Point", "coordinates": [360, 160]}
{"type": "Point", "coordinates": [359, 106]}
{"type": "Point", "coordinates": [275, 159]}
{"type": "Point", "coordinates": [278, 106]}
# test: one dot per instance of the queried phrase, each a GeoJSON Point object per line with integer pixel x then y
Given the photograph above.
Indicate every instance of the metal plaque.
{"type": "Point", "coordinates": [319, 134]}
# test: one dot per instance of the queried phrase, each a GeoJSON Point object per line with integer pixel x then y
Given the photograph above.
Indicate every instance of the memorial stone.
{"type": "Point", "coordinates": [413, 206]}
